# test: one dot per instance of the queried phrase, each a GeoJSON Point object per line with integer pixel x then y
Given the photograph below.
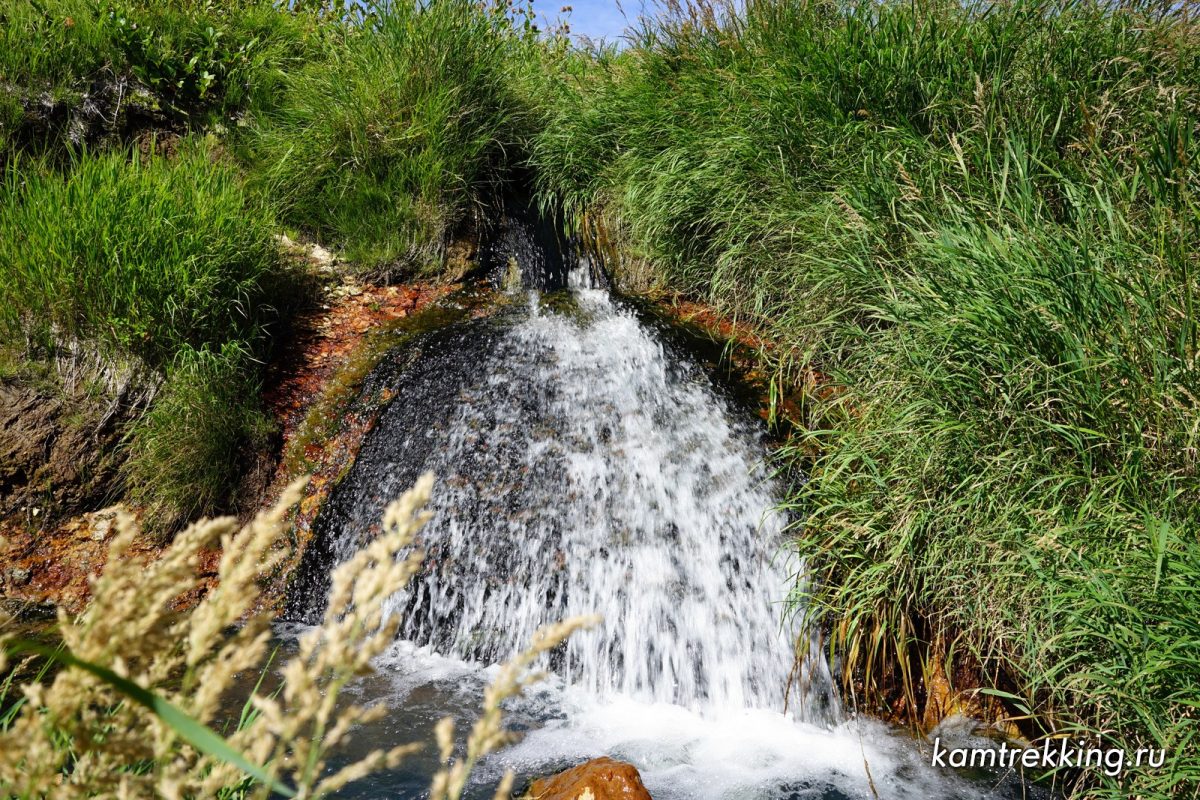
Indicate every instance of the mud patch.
{"type": "Point", "coordinates": [60, 464]}
{"type": "Point", "coordinates": [55, 564]}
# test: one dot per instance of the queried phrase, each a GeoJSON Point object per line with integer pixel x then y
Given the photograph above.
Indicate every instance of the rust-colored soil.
{"type": "Point", "coordinates": [57, 562]}
{"type": "Point", "coordinates": [312, 388]}
{"type": "Point", "coordinates": [327, 337]}
{"type": "Point", "coordinates": [754, 355]}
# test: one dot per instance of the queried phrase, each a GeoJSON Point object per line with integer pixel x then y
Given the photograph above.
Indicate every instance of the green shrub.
{"type": "Point", "coordinates": [229, 56]}
{"type": "Point", "coordinates": [205, 421]}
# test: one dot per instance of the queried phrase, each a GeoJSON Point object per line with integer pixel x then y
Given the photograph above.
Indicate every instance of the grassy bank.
{"type": "Point", "coordinates": [387, 142]}
{"type": "Point", "coordinates": [126, 230]}
{"type": "Point", "coordinates": [170, 262]}
{"type": "Point", "coordinates": [977, 229]}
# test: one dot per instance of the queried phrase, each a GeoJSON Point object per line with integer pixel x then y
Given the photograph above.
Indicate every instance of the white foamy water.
{"type": "Point", "coordinates": [681, 753]}
{"type": "Point", "coordinates": [749, 754]}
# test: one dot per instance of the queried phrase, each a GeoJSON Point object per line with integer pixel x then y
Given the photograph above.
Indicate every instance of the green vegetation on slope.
{"type": "Point", "coordinates": [980, 226]}
{"type": "Point", "coordinates": [383, 145]}
{"type": "Point", "coordinates": [170, 261]}
{"type": "Point", "coordinates": [126, 224]}
{"type": "Point", "coordinates": [76, 71]}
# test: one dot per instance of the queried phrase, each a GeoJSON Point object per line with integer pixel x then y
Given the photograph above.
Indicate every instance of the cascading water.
{"type": "Point", "coordinates": [585, 464]}
{"type": "Point", "coordinates": [585, 469]}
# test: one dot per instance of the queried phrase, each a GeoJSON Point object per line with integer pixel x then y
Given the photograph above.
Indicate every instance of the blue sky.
{"type": "Point", "coordinates": [597, 19]}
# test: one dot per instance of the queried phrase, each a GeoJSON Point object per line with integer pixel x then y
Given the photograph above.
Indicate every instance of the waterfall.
{"type": "Point", "coordinates": [584, 466]}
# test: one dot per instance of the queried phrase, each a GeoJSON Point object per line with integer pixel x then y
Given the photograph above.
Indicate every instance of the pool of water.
{"type": "Point", "coordinates": [681, 753]}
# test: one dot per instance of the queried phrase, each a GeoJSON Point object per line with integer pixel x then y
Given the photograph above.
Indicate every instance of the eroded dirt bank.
{"type": "Point", "coordinates": [61, 446]}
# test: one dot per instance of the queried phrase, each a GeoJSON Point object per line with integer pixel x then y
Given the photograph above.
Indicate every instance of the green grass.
{"type": "Point", "coordinates": [172, 261]}
{"type": "Point", "coordinates": [980, 225]}
{"type": "Point", "coordinates": [187, 450]}
{"type": "Point", "coordinates": [386, 143]}
{"type": "Point", "coordinates": [49, 46]}
{"type": "Point", "coordinates": [146, 254]}
{"type": "Point", "coordinates": [75, 71]}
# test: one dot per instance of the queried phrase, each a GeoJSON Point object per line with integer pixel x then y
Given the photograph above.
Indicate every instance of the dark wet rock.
{"type": "Point", "coordinates": [426, 373]}
{"type": "Point", "coordinates": [25, 611]}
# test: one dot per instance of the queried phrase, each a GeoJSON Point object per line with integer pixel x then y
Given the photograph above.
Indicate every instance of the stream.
{"type": "Point", "coordinates": [587, 463]}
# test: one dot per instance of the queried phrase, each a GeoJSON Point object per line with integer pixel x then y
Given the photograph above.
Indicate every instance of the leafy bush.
{"type": "Point", "coordinates": [229, 56]}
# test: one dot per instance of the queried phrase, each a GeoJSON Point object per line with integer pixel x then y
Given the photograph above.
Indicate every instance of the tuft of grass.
{"type": "Point", "coordinates": [147, 254]}
{"type": "Point", "coordinates": [979, 225]}
{"type": "Point", "coordinates": [383, 145]}
{"type": "Point", "coordinates": [185, 450]}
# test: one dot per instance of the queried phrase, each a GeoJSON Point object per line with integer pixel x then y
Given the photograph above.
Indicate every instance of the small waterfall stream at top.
{"type": "Point", "coordinates": [586, 464]}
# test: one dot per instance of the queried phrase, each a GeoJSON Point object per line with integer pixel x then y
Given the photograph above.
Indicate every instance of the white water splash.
{"type": "Point", "coordinates": [681, 754]}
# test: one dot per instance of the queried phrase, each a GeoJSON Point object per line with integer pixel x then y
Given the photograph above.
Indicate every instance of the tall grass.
{"type": "Point", "coordinates": [144, 253]}
{"type": "Point", "coordinates": [382, 146]}
{"type": "Point", "coordinates": [980, 225]}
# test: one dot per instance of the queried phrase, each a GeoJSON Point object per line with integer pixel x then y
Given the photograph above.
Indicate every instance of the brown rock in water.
{"type": "Point", "coordinates": [598, 779]}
